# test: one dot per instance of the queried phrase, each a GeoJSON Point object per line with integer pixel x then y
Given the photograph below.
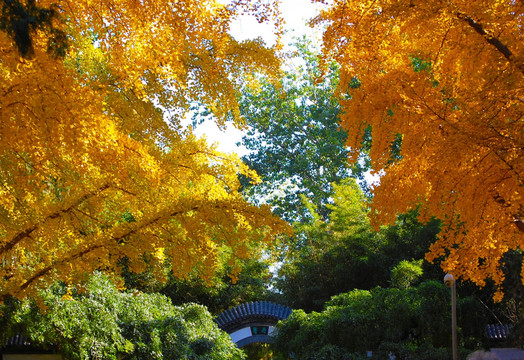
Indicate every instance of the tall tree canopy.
{"type": "Point", "coordinates": [445, 78]}
{"type": "Point", "coordinates": [342, 253]}
{"type": "Point", "coordinates": [296, 142]}
{"type": "Point", "coordinates": [91, 172]}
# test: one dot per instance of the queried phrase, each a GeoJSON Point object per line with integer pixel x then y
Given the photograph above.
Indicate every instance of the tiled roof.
{"type": "Point", "coordinates": [18, 340]}
{"type": "Point", "coordinates": [498, 332]}
{"type": "Point", "coordinates": [21, 343]}
{"type": "Point", "coordinates": [260, 311]}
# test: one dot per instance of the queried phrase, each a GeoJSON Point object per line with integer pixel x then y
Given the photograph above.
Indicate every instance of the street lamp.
{"type": "Point", "coordinates": [450, 282]}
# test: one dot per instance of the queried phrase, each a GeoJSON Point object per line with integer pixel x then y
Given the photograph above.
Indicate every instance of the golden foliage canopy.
{"type": "Point", "coordinates": [446, 78]}
{"type": "Point", "coordinates": [90, 170]}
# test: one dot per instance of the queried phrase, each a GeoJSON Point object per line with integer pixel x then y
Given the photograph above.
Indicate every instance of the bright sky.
{"type": "Point", "coordinates": [296, 13]}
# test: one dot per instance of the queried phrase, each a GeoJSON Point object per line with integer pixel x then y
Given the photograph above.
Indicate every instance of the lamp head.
{"type": "Point", "coordinates": [449, 280]}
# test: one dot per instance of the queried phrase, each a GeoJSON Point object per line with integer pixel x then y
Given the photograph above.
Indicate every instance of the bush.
{"type": "Point", "coordinates": [411, 323]}
{"type": "Point", "coordinates": [102, 322]}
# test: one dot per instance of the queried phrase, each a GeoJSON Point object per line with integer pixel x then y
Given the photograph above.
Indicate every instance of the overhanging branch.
{"type": "Point", "coordinates": [28, 231]}
{"type": "Point", "coordinates": [492, 40]}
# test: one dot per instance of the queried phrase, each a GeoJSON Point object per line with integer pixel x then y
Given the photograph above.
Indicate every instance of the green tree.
{"type": "Point", "coordinates": [297, 144]}
{"type": "Point", "coordinates": [100, 322]}
{"type": "Point", "coordinates": [328, 257]}
{"type": "Point", "coordinates": [223, 293]}
{"type": "Point", "coordinates": [344, 253]}
{"type": "Point", "coordinates": [405, 273]}
{"type": "Point", "coordinates": [217, 294]}
{"type": "Point", "coordinates": [411, 323]}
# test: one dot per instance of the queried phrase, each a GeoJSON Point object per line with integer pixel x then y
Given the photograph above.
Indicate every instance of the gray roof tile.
{"type": "Point", "coordinates": [245, 313]}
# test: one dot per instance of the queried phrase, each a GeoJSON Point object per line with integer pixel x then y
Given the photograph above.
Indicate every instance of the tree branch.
{"type": "Point", "coordinates": [150, 222]}
{"type": "Point", "coordinates": [492, 40]}
{"type": "Point", "coordinates": [27, 232]}
{"type": "Point", "coordinates": [50, 267]}
{"type": "Point", "coordinates": [41, 273]}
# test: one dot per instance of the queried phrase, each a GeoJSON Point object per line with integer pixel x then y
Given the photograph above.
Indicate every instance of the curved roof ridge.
{"type": "Point", "coordinates": [252, 312]}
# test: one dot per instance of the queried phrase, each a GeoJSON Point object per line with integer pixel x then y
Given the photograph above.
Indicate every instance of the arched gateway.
{"type": "Point", "coordinates": [252, 322]}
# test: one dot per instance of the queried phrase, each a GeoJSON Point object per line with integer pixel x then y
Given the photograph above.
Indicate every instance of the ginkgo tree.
{"type": "Point", "coordinates": [91, 171]}
{"type": "Point", "coordinates": [444, 79]}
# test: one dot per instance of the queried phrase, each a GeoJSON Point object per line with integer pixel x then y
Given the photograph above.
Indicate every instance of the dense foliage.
{"type": "Point", "coordinates": [342, 253]}
{"type": "Point", "coordinates": [444, 80]}
{"type": "Point", "coordinates": [223, 293]}
{"type": "Point", "coordinates": [411, 323]}
{"type": "Point", "coordinates": [102, 323]}
{"type": "Point", "coordinates": [297, 145]}
{"type": "Point", "coordinates": [97, 173]}
{"type": "Point", "coordinates": [92, 171]}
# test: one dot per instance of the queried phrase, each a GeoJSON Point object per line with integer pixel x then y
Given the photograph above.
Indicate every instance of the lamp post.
{"type": "Point", "coordinates": [450, 282]}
